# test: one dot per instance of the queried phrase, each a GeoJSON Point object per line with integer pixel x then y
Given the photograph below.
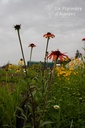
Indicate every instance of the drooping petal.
{"type": "Point", "coordinates": [32, 45]}
{"type": "Point", "coordinates": [48, 35]}
{"type": "Point", "coordinates": [54, 55]}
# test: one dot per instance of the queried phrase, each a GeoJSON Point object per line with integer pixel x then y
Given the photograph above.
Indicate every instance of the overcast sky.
{"type": "Point", "coordinates": [63, 18]}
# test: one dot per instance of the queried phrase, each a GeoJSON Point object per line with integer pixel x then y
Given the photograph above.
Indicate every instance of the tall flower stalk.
{"type": "Point", "coordinates": [18, 27]}
{"type": "Point", "coordinates": [32, 46]}
{"type": "Point", "coordinates": [84, 47]}
{"type": "Point", "coordinates": [48, 35]}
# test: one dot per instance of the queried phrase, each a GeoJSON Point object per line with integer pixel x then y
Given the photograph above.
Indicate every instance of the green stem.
{"type": "Point", "coordinates": [46, 98]}
{"type": "Point", "coordinates": [22, 50]}
{"type": "Point", "coordinates": [46, 52]}
{"type": "Point", "coordinates": [84, 51]}
{"type": "Point", "coordinates": [31, 55]}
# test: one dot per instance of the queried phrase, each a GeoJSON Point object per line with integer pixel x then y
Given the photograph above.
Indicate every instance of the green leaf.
{"type": "Point", "coordinates": [22, 113]}
{"type": "Point", "coordinates": [33, 93]}
{"type": "Point", "coordinates": [45, 123]}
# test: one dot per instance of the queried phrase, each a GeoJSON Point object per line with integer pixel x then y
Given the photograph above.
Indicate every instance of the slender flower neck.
{"type": "Point", "coordinates": [17, 27]}
{"type": "Point", "coordinates": [31, 53]}
{"type": "Point", "coordinates": [32, 46]}
{"type": "Point", "coordinates": [84, 48]}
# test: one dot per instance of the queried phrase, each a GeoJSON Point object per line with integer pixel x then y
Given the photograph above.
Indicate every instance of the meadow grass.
{"type": "Point", "coordinates": [55, 99]}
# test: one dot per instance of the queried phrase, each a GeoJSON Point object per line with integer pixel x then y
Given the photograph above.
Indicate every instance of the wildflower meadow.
{"type": "Point", "coordinates": [38, 96]}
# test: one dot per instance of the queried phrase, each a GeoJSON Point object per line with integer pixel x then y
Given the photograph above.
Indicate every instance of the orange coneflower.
{"type": "Point", "coordinates": [48, 35]}
{"type": "Point", "coordinates": [56, 54]}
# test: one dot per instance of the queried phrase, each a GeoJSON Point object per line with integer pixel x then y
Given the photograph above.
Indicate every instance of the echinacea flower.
{"type": "Point", "coordinates": [32, 45]}
{"type": "Point", "coordinates": [57, 54]}
{"type": "Point", "coordinates": [83, 39]}
{"type": "Point", "coordinates": [48, 35]}
{"type": "Point", "coordinates": [17, 27]}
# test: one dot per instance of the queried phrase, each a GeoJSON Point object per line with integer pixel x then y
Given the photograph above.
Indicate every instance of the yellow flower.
{"type": "Point", "coordinates": [71, 69]}
{"type": "Point", "coordinates": [18, 70]}
{"type": "Point", "coordinates": [21, 62]}
{"type": "Point", "coordinates": [67, 74]}
{"type": "Point", "coordinates": [75, 73]}
{"type": "Point", "coordinates": [62, 72]}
